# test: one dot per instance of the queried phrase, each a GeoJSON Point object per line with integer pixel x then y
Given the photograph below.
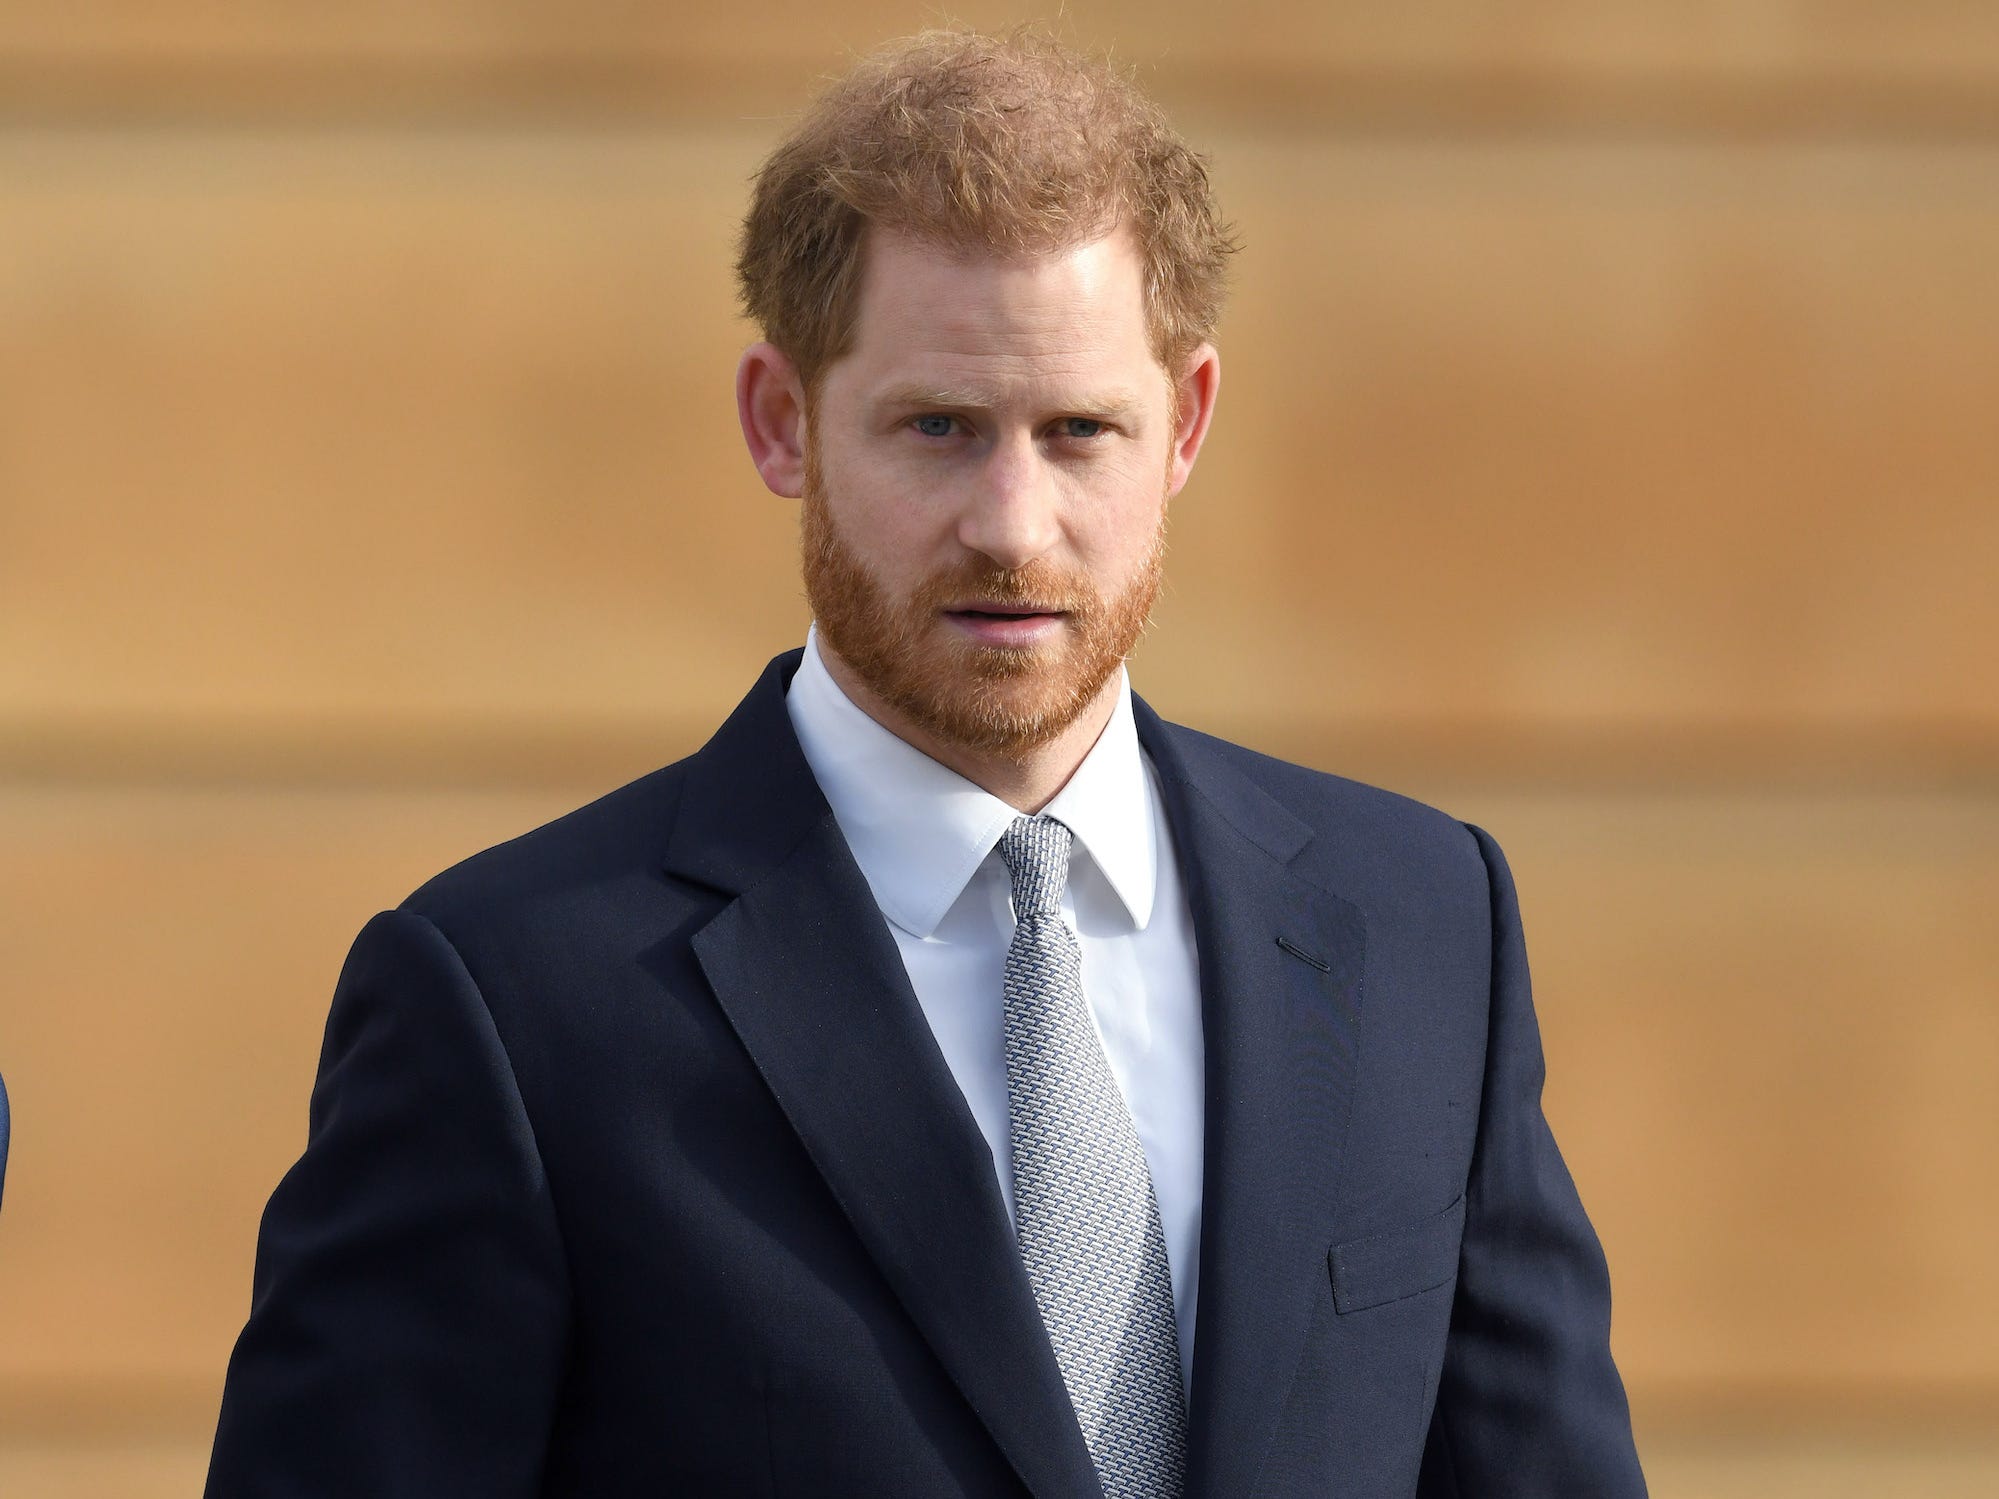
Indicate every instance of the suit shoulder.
{"type": "Point", "coordinates": [618, 836]}
{"type": "Point", "coordinates": [1361, 824]}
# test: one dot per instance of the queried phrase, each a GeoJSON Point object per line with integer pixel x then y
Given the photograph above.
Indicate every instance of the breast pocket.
{"type": "Point", "coordinates": [1398, 1263]}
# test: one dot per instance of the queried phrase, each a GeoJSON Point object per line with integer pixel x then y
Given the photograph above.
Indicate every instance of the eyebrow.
{"type": "Point", "coordinates": [1115, 404]}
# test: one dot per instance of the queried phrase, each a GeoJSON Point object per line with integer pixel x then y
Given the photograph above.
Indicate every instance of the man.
{"type": "Point", "coordinates": [952, 1079]}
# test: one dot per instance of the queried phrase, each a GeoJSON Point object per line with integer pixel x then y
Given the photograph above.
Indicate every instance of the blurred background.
{"type": "Point", "coordinates": [1607, 452]}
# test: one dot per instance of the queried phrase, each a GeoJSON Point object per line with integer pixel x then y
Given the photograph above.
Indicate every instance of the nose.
{"type": "Point", "coordinates": [1011, 514]}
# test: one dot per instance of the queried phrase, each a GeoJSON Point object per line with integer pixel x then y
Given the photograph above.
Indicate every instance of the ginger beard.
{"type": "Point", "coordinates": [989, 699]}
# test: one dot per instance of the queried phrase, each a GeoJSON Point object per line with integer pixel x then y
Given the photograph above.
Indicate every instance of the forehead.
{"type": "Point", "coordinates": [947, 314]}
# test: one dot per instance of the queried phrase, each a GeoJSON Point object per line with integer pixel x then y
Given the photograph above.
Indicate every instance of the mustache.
{"type": "Point", "coordinates": [1042, 583]}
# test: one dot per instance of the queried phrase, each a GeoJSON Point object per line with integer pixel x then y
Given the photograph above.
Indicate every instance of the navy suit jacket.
{"type": "Point", "coordinates": [634, 1168]}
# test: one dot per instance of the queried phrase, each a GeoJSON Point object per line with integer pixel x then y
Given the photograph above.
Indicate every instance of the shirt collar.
{"type": "Point", "coordinates": [919, 830]}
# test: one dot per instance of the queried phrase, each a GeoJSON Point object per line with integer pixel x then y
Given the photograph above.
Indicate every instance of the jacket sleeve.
{"type": "Point", "coordinates": [408, 1318]}
{"type": "Point", "coordinates": [1529, 1402]}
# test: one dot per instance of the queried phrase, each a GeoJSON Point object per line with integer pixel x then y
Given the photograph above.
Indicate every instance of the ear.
{"type": "Point", "coordinates": [770, 403]}
{"type": "Point", "coordinates": [1199, 383]}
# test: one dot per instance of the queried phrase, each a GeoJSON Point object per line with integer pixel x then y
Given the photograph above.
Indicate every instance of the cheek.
{"type": "Point", "coordinates": [1119, 529]}
{"type": "Point", "coordinates": [896, 533]}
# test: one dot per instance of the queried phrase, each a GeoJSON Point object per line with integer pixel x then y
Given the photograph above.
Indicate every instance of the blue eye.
{"type": "Point", "coordinates": [1082, 426]}
{"type": "Point", "coordinates": [934, 426]}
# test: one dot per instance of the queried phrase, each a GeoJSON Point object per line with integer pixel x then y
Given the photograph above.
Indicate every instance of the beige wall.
{"type": "Point", "coordinates": [1606, 451]}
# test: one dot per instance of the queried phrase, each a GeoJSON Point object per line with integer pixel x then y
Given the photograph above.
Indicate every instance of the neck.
{"type": "Point", "coordinates": [1026, 782]}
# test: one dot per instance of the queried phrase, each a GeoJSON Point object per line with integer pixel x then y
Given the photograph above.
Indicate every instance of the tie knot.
{"type": "Point", "coordinates": [1036, 850]}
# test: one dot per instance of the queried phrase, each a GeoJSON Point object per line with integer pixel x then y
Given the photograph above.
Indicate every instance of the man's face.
{"type": "Point", "coordinates": [985, 490]}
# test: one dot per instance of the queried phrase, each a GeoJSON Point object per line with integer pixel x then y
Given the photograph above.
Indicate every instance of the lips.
{"type": "Point", "coordinates": [1015, 626]}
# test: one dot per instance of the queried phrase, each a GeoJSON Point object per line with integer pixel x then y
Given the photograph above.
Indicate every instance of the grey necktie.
{"type": "Point", "coordinates": [1083, 1204]}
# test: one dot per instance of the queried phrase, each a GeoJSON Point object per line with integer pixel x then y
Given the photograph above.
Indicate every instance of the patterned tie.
{"type": "Point", "coordinates": [1083, 1204]}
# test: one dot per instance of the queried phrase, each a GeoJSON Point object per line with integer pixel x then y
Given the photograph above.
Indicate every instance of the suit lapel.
{"type": "Point", "coordinates": [803, 965]}
{"type": "Point", "coordinates": [1281, 963]}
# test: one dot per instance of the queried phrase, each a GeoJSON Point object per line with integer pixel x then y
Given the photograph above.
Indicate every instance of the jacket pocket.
{"type": "Point", "coordinates": [1401, 1262]}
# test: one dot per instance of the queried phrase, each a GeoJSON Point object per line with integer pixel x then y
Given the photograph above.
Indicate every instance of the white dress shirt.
{"type": "Point", "coordinates": [925, 838]}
